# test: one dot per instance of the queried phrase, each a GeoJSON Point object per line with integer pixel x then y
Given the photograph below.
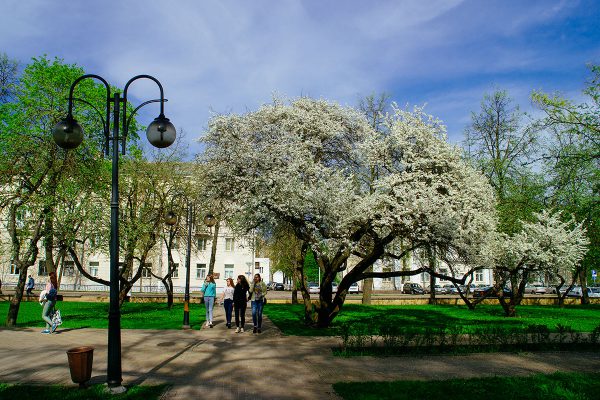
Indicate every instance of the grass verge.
{"type": "Point", "coordinates": [569, 386]}
{"type": "Point", "coordinates": [289, 318]}
{"type": "Point", "coordinates": [77, 315]}
{"type": "Point", "coordinates": [95, 392]}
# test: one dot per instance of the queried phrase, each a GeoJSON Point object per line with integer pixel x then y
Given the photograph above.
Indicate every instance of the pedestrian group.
{"type": "Point", "coordinates": [235, 299]}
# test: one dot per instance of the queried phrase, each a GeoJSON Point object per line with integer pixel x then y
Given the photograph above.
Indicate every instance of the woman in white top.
{"type": "Point", "coordinates": [227, 299]}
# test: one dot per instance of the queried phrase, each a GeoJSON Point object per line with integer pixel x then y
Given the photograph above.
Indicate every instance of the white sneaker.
{"type": "Point", "coordinates": [241, 330]}
{"type": "Point", "coordinates": [237, 330]}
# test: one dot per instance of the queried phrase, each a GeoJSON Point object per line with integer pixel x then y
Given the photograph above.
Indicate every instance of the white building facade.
{"type": "Point", "coordinates": [234, 256]}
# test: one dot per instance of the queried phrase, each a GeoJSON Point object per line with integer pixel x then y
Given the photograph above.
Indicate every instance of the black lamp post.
{"type": "Point", "coordinates": [68, 134]}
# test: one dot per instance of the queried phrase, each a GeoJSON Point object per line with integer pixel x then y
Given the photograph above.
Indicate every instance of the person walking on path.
{"type": "Point", "coordinates": [49, 300]}
{"type": "Point", "coordinates": [258, 291]}
{"type": "Point", "coordinates": [30, 285]}
{"type": "Point", "coordinates": [209, 290]}
{"type": "Point", "coordinates": [240, 302]}
{"type": "Point", "coordinates": [227, 300]}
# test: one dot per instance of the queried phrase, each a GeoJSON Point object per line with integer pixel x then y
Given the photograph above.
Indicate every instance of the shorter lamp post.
{"type": "Point", "coordinates": [171, 219]}
{"type": "Point", "coordinates": [68, 134]}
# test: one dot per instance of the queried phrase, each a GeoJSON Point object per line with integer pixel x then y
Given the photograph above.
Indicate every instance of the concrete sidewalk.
{"type": "Point", "coordinates": [217, 363]}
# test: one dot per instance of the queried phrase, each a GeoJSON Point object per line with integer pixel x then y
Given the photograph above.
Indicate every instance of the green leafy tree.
{"type": "Point", "coordinates": [500, 144]}
{"type": "Point", "coordinates": [572, 162]}
{"type": "Point", "coordinates": [33, 171]}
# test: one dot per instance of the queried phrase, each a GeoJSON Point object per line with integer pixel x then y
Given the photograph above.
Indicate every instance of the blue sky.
{"type": "Point", "coordinates": [232, 56]}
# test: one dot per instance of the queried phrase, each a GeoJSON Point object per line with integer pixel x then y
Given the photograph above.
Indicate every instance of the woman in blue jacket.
{"type": "Point", "coordinates": [209, 289]}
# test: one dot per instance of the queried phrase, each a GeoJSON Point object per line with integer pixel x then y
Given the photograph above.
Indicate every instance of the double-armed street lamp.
{"type": "Point", "coordinates": [68, 134]}
{"type": "Point", "coordinates": [171, 219]}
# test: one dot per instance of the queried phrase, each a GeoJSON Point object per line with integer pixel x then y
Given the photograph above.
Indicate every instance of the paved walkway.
{"type": "Point", "coordinates": [219, 364]}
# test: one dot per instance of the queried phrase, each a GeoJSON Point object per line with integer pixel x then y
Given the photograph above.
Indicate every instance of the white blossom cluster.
{"type": "Point", "coordinates": [547, 244]}
{"type": "Point", "coordinates": [344, 186]}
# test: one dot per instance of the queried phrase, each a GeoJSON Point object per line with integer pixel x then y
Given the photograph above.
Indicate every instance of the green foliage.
{"type": "Point", "coordinates": [78, 315]}
{"type": "Point", "coordinates": [95, 392]}
{"type": "Point", "coordinates": [572, 159]}
{"type": "Point", "coordinates": [571, 386]}
{"type": "Point", "coordinates": [311, 268]}
{"type": "Point", "coordinates": [417, 319]}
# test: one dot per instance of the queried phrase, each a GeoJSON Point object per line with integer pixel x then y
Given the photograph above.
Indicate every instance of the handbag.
{"type": "Point", "coordinates": [56, 318]}
{"type": "Point", "coordinates": [264, 300]}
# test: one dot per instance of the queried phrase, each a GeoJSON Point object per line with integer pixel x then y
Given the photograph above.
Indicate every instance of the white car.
{"type": "Point", "coordinates": [544, 290]}
{"type": "Point", "coordinates": [334, 287]}
{"type": "Point", "coordinates": [313, 287]}
{"type": "Point", "coordinates": [354, 288]}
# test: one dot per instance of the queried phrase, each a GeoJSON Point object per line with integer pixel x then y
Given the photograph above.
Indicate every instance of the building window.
{"type": "Point", "coordinates": [229, 243]}
{"type": "Point", "coordinates": [479, 276]}
{"type": "Point", "coordinates": [14, 270]}
{"type": "Point", "coordinates": [201, 243]}
{"type": "Point", "coordinates": [146, 270]}
{"type": "Point", "coordinates": [384, 270]}
{"type": "Point", "coordinates": [42, 271]}
{"type": "Point", "coordinates": [68, 268]}
{"type": "Point", "coordinates": [94, 268]}
{"type": "Point", "coordinates": [175, 273]}
{"type": "Point", "coordinates": [228, 271]}
{"type": "Point", "coordinates": [200, 271]}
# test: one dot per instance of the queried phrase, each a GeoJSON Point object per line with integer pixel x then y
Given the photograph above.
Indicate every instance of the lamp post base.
{"type": "Point", "coordinates": [115, 389]}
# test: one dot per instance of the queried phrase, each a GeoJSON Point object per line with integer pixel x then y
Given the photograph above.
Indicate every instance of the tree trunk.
{"type": "Point", "coordinates": [213, 250]}
{"type": "Point", "coordinates": [367, 288]}
{"type": "Point", "coordinates": [295, 284]}
{"type": "Point", "coordinates": [15, 302]}
{"type": "Point", "coordinates": [431, 259]}
{"type": "Point", "coordinates": [585, 299]}
{"type": "Point", "coordinates": [169, 293]}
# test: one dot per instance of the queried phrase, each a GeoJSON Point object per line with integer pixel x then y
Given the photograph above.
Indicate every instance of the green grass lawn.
{"type": "Point", "coordinates": [96, 392]}
{"type": "Point", "coordinates": [563, 386]}
{"type": "Point", "coordinates": [289, 318]}
{"type": "Point", "coordinates": [95, 315]}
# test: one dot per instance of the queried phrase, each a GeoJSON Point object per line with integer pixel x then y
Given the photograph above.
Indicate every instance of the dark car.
{"type": "Point", "coordinates": [490, 292]}
{"type": "Point", "coordinates": [279, 286]}
{"type": "Point", "coordinates": [412, 288]}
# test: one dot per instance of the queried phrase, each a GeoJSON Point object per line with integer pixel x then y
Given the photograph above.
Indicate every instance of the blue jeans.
{"type": "Point", "coordinates": [228, 304]}
{"type": "Point", "coordinates": [47, 313]}
{"type": "Point", "coordinates": [209, 303]}
{"type": "Point", "coordinates": [257, 309]}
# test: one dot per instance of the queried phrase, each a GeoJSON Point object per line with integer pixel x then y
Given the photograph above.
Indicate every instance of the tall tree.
{"type": "Point", "coordinates": [308, 164]}
{"type": "Point", "coordinates": [32, 169]}
{"type": "Point", "coordinates": [498, 143]}
{"type": "Point", "coordinates": [8, 77]}
{"type": "Point", "coordinates": [374, 108]}
{"type": "Point", "coordinates": [572, 162]}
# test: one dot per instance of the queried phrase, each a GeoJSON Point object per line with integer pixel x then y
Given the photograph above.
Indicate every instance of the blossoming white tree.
{"type": "Point", "coordinates": [547, 245]}
{"type": "Point", "coordinates": [310, 163]}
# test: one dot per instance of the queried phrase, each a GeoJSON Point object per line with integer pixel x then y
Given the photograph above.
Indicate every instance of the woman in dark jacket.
{"type": "Point", "coordinates": [240, 301]}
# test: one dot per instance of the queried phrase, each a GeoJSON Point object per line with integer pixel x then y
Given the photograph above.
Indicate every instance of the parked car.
{"type": "Point", "coordinates": [412, 288]}
{"type": "Point", "coordinates": [313, 287]}
{"type": "Point", "coordinates": [544, 290]}
{"type": "Point", "coordinates": [490, 292]}
{"type": "Point", "coordinates": [439, 289]}
{"type": "Point", "coordinates": [278, 286]}
{"type": "Point", "coordinates": [354, 288]}
{"type": "Point", "coordinates": [530, 288]}
{"type": "Point", "coordinates": [334, 287]}
{"type": "Point", "coordinates": [448, 288]}
{"type": "Point", "coordinates": [578, 292]}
